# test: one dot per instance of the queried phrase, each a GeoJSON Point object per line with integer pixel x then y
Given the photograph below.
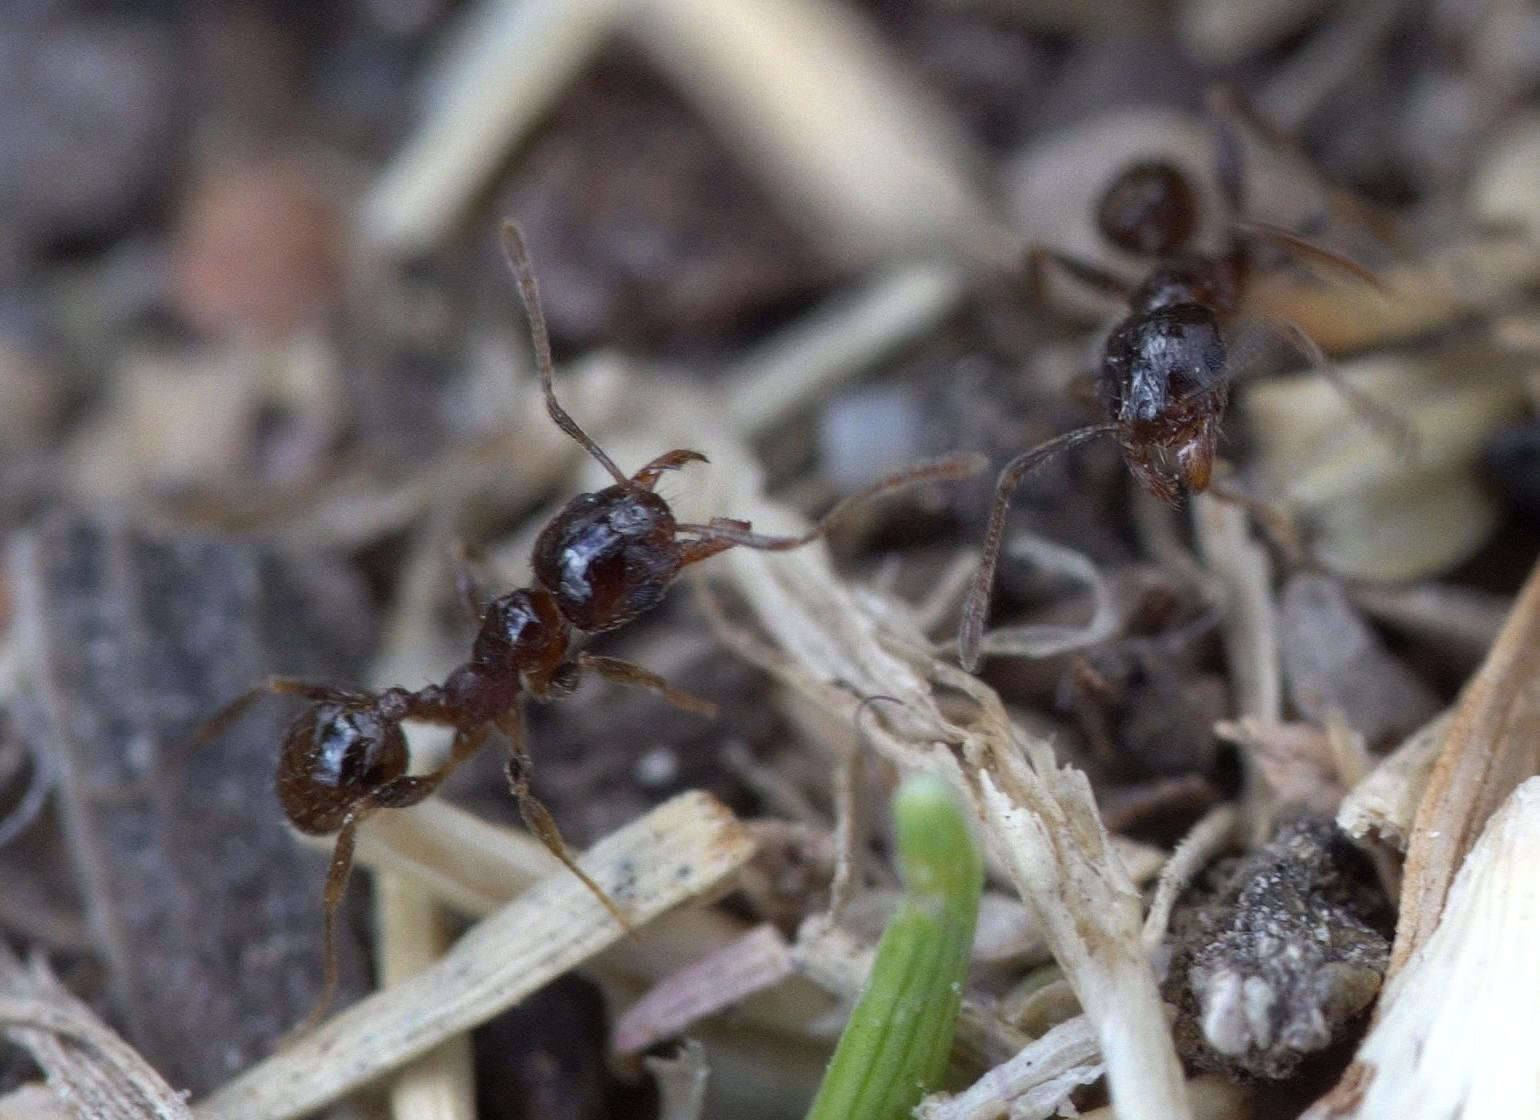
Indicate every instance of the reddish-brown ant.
{"type": "Point", "coordinates": [604, 559]}
{"type": "Point", "coordinates": [1164, 378]}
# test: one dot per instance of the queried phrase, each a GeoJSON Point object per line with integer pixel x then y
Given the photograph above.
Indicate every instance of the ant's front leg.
{"type": "Point", "coordinates": [647, 477]}
{"type": "Point", "coordinates": [970, 633]}
{"type": "Point", "coordinates": [537, 818]}
{"type": "Point", "coordinates": [626, 672]}
{"type": "Point", "coordinates": [222, 720]}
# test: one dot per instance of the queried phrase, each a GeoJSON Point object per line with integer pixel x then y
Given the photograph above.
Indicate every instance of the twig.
{"type": "Point", "coordinates": [680, 850]}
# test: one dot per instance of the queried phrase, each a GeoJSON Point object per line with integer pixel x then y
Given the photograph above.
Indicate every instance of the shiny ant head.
{"type": "Point", "coordinates": [1164, 384]}
{"type": "Point", "coordinates": [608, 556]}
{"type": "Point", "coordinates": [1150, 209]}
{"type": "Point", "coordinates": [333, 756]}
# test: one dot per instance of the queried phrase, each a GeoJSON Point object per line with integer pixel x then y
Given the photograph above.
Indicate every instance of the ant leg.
{"type": "Point", "coordinates": [336, 885]}
{"type": "Point", "coordinates": [540, 338]}
{"type": "Point", "coordinates": [1040, 259]}
{"type": "Point", "coordinates": [222, 720]}
{"type": "Point", "coordinates": [537, 818]}
{"type": "Point", "coordinates": [1277, 524]}
{"type": "Point", "coordinates": [976, 606]}
{"type": "Point", "coordinates": [727, 532]}
{"type": "Point", "coordinates": [625, 672]}
{"type": "Point", "coordinates": [647, 477]}
{"type": "Point", "coordinates": [410, 789]}
{"type": "Point", "coordinates": [1380, 418]}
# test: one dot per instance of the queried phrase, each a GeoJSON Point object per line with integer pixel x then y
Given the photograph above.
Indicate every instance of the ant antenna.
{"type": "Point", "coordinates": [945, 469]}
{"type": "Point", "coordinates": [976, 606]}
{"type": "Point", "coordinates": [540, 337]}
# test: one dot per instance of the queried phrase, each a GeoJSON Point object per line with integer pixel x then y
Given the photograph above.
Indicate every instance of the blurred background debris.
{"type": "Point", "coordinates": [263, 371]}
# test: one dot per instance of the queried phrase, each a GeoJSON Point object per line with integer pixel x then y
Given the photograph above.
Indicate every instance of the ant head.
{"type": "Point", "coordinates": [1150, 208]}
{"type": "Point", "coordinates": [1160, 366]}
{"type": "Point", "coordinates": [608, 557]}
{"type": "Point", "coordinates": [334, 755]}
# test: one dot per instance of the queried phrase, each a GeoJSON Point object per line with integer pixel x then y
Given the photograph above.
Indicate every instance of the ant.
{"type": "Point", "coordinates": [1164, 378]}
{"type": "Point", "coordinates": [606, 558]}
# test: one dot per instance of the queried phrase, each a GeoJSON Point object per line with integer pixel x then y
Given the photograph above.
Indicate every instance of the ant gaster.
{"type": "Point", "coordinates": [604, 559]}
{"type": "Point", "coordinates": [1164, 379]}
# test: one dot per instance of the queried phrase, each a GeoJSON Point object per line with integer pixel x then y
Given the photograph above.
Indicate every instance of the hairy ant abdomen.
{"type": "Point", "coordinates": [332, 756]}
{"type": "Point", "coordinates": [1149, 209]}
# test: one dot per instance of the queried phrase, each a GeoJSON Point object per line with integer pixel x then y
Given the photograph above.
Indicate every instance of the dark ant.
{"type": "Point", "coordinates": [606, 558]}
{"type": "Point", "coordinates": [1164, 378]}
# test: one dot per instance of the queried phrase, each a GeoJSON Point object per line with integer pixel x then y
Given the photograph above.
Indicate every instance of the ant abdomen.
{"type": "Point", "coordinates": [608, 557]}
{"type": "Point", "coordinates": [1150, 209]}
{"type": "Point", "coordinates": [333, 756]}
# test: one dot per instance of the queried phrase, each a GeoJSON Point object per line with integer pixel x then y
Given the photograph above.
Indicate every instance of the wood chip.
{"type": "Point", "coordinates": [1456, 1030]}
{"type": "Point", "coordinates": [679, 851]}
{"type": "Point", "coordinates": [1492, 745]}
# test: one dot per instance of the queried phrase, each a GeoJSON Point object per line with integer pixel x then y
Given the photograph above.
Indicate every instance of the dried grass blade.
{"type": "Point", "coordinates": [681, 1081]}
{"type": "Point", "coordinates": [680, 850]}
{"type": "Point", "coordinates": [1493, 744]}
{"type": "Point", "coordinates": [1385, 803]}
{"type": "Point", "coordinates": [757, 960]}
{"type": "Point", "coordinates": [1061, 860]}
{"type": "Point", "coordinates": [1030, 1086]}
{"type": "Point", "coordinates": [808, 93]}
{"type": "Point", "coordinates": [413, 933]}
{"type": "Point", "coordinates": [88, 1066]}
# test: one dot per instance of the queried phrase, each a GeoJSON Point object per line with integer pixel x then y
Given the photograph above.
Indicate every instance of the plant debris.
{"type": "Point", "coordinates": [1277, 957]}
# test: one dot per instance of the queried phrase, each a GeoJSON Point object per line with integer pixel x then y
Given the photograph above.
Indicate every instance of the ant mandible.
{"type": "Point", "coordinates": [606, 558]}
{"type": "Point", "coordinates": [1164, 378]}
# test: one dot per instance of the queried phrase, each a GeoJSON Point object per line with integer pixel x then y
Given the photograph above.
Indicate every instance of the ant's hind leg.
{"type": "Point", "coordinates": [625, 672]}
{"type": "Point", "coordinates": [647, 477]}
{"type": "Point", "coordinates": [538, 819]}
{"type": "Point", "coordinates": [409, 789]}
{"type": "Point", "coordinates": [222, 720]}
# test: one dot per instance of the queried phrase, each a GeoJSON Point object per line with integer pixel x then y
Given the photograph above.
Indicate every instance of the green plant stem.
{"type": "Point", "coordinates": [895, 1047]}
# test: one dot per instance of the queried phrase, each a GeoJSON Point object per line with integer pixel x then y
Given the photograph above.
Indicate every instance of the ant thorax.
{"type": "Point", "coordinates": [608, 557]}
{"type": "Point", "coordinates": [519, 631]}
{"type": "Point", "coordinates": [332, 755]}
{"type": "Point", "coordinates": [1189, 278]}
